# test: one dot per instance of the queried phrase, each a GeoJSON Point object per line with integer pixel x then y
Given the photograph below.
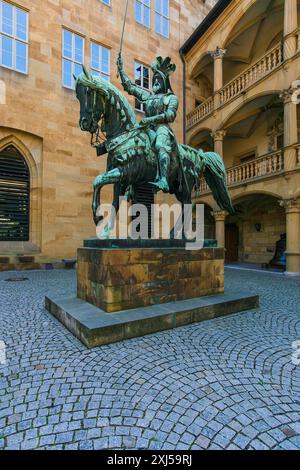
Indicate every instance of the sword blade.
{"type": "Point", "coordinates": [124, 23]}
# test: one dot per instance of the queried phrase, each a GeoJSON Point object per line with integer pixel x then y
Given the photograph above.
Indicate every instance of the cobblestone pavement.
{"type": "Point", "coordinates": [228, 383]}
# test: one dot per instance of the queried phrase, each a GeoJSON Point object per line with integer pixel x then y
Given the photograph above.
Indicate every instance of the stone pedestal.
{"type": "Point", "coordinates": [132, 288]}
{"type": "Point", "coordinates": [121, 278]}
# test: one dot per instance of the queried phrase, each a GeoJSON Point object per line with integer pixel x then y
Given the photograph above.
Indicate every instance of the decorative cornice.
{"type": "Point", "coordinates": [208, 21]}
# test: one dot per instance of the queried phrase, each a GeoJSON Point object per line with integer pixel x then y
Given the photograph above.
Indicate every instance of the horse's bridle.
{"type": "Point", "coordinates": [95, 136]}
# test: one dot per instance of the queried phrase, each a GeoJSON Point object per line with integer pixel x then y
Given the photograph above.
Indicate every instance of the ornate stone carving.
{"type": "Point", "coordinates": [287, 95]}
{"type": "Point", "coordinates": [218, 135]}
{"type": "Point", "coordinates": [218, 53]}
{"type": "Point", "coordinates": [290, 205]}
{"type": "Point", "coordinates": [220, 216]}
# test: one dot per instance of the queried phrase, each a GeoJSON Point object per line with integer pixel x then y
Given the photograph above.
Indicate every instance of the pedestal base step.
{"type": "Point", "coordinates": [94, 327]}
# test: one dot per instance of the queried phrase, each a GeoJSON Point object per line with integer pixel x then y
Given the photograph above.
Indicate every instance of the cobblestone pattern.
{"type": "Point", "coordinates": [222, 384]}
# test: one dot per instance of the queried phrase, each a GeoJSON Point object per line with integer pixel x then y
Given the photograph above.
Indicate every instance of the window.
{"type": "Point", "coordinates": [247, 157]}
{"type": "Point", "coordinates": [142, 79]}
{"type": "Point", "coordinates": [142, 12]}
{"type": "Point", "coordinates": [162, 17]}
{"type": "Point", "coordinates": [73, 56]}
{"type": "Point", "coordinates": [100, 61]}
{"type": "Point", "coordinates": [14, 196]}
{"type": "Point", "coordinates": [13, 37]}
{"type": "Point", "coordinates": [280, 141]}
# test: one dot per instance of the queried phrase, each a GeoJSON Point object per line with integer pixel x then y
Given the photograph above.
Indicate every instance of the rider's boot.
{"type": "Point", "coordinates": [164, 166]}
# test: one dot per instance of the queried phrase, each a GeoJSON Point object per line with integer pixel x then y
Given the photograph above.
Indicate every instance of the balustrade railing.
{"type": "Point", "coordinates": [204, 109]}
{"type": "Point", "coordinates": [269, 62]}
{"type": "Point", "coordinates": [267, 165]}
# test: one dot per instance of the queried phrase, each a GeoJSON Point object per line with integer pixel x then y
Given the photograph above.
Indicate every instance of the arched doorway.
{"type": "Point", "coordinates": [252, 232]}
{"type": "Point", "coordinates": [14, 196]}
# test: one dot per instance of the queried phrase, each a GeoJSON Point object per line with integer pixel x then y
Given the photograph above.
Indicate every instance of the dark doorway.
{"type": "Point", "coordinates": [232, 242]}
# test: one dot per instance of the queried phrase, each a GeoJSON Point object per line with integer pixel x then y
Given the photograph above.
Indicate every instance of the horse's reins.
{"type": "Point", "coordinates": [98, 140]}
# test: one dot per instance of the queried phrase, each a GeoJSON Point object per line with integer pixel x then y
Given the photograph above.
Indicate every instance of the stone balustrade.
{"type": "Point", "coordinates": [269, 62]}
{"type": "Point", "coordinates": [267, 165]}
{"type": "Point", "coordinates": [203, 110]}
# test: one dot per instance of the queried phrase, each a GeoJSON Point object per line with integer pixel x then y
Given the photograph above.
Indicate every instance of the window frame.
{"type": "Point", "coordinates": [72, 61]}
{"type": "Point", "coordinates": [143, 8]}
{"type": "Point", "coordinates": [162, 16]}
{"type": "Point", "coordinates": [144, 66]}
{"type": "Point", "coordinates": [14, 38]}
{"type": "Point", "coordinates": [99, 72]}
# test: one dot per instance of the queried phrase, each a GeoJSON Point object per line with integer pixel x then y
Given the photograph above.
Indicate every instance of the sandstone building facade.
{"type": "Point", "coordinates": [242, 66]}
{"type": "Point", "coordinates": [46, 163]}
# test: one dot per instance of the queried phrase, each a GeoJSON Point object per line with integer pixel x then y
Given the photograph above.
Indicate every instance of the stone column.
{"type": "Point", "coordinates": [218, 137]}
{"type": "Point", "coordinates": [218, 55]}
{"type": "Point", "coordinates": [292, 208]}
{"type": "Point", "coordinates": [290, 128]}
{"type": "Point", "coordinates": [220, 217]}
{"type": "Point", "coordinates": [290, 24]}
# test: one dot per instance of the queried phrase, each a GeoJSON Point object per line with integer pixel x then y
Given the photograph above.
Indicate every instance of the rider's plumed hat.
{"type": "Point", "coordinates": [163, 68]}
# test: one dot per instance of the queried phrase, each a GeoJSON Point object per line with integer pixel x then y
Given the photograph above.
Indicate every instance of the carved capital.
{"type": "Point", "coordinates": [290, 205]}
{"type": "Point", "coordinates": [218, 135]}
{"type": "Point", "coordinates": [291, 94]}
{"type": "Point", "coordinates": [218, 53]}
{"type": "Point", "coordinates": [220, 216]}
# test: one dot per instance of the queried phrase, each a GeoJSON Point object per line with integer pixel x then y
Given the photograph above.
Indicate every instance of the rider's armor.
{"type": "Point", "coordinates": [160, 110]}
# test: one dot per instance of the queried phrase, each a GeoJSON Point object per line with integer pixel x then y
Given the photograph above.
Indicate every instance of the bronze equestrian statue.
{"type": "Point", "coordinates": [145, 152]}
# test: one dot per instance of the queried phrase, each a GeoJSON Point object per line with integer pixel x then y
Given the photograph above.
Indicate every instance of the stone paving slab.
{"type": "Point", "coordinates": [95, 327]}
{"type": "Point", "coordinates": [226, 383]}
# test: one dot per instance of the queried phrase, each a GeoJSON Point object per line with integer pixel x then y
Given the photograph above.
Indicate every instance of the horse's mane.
{"type": "Point", "coordinates": [112, 94]}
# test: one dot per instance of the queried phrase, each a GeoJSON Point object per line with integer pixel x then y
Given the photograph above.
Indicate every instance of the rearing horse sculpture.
{"type": "Point", "coordinates": [132, 160]}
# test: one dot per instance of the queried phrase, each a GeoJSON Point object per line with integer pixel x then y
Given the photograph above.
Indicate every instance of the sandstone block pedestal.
{"type": "Point", "coordinates": [128, 289]}
{"type": "Point", "coordinates": [122, 278]}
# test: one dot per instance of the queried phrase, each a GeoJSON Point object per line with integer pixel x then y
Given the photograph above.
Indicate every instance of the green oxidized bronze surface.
{"type": "Point", "coordinates": [145, 152]}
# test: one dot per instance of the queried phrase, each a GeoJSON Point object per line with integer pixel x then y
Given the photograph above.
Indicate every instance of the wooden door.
{"type": "Point", "coordinates": [232, 242]}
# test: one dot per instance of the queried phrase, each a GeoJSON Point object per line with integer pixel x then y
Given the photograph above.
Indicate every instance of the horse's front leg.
{"type": "Point", "coordinates": [119, 191]}
{"type": "Point", "coordinates": [111, 177]}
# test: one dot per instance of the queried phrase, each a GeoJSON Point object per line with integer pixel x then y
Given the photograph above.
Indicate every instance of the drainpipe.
{"type": "Point", "coordinates": [184, 95]}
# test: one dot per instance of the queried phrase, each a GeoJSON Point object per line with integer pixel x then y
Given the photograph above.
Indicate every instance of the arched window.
{"type": "Point", "coordinates": [14, 196]}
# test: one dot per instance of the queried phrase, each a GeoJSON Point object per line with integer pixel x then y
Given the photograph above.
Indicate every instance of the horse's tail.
{"type": "Point", "coordinates": [215, 176]}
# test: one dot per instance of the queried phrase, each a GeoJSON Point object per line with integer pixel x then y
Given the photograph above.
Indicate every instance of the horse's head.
{"type": "Point", "coordinates": [92, 102]}
{"type": "Point", "coordinates": [100, 100]}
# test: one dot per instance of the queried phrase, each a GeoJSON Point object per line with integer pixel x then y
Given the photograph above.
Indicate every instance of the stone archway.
{"type": "Point", "coordinates": [257, 225]}
{"type": "Point", "coordinates": [30, 148]}
{"type": "Point", "coordinates": [14, 196]}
